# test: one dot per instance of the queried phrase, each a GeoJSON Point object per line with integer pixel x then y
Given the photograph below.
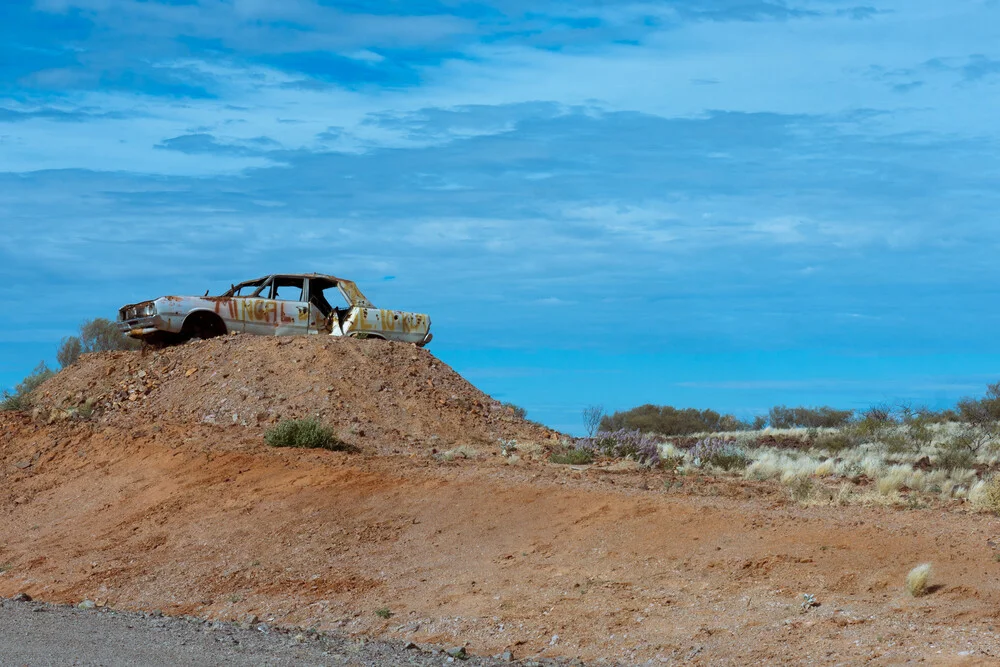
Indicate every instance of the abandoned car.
{"type": "Point", "coordinates": [275, 305]}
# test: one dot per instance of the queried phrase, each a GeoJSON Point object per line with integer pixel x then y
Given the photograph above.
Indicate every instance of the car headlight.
{"type": "Point", "coordinates": [147, 309]}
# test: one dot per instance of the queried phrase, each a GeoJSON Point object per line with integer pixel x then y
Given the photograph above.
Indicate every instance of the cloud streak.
{"type": "Point", "coordinates": [573, 180]}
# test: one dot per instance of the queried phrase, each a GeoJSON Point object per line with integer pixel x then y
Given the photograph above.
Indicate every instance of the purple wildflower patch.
{"type": "Point", "coordinates": [623, 443]}
{"type": "Point", "coordinates": [719, 453]}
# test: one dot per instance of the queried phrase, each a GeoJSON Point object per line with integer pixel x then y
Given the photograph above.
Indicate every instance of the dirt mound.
{"type": "Point", "coordinates": [374, 393]}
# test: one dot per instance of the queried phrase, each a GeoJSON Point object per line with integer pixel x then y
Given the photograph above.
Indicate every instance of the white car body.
{"type": "Point", "coordinates": [275, 305]}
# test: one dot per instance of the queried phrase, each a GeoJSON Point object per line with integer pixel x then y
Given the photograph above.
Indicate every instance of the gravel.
{"type": "Point", "coordinates": [38, 634]}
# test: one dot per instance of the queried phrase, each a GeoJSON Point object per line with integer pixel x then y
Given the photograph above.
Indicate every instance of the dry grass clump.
{"type": "Point", "coordinates": [985, 495]}
{"type": "Point", "coordinates": [918, 580]}
{"type": "Point", "coordinates": [786, 466]}
{"type": "Point", "coordinates": [531, 448]}
{"type": "Point", "coordinates": [894, 479]}
{"type": "Point", "coordinates": [460, 452]}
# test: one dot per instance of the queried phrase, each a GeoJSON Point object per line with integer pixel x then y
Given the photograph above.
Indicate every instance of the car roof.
{"type": "Point", "coordinates": [347, 287]}
{"type": "Point", "coordinates": [324, 276]}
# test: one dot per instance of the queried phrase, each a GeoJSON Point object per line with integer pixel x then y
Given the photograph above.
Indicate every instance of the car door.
{"type": "Point", "coordinates": [290, 306]}
{"type": "Point", "coordinates": [257, 311]}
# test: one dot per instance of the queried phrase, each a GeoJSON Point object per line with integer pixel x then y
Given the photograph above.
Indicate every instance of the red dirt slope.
{"type": "Point", "coordinates": [540, 559]}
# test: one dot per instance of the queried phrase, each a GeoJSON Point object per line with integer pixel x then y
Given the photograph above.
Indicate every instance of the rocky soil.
{"type": "Point", "coordinates": [375, 393]}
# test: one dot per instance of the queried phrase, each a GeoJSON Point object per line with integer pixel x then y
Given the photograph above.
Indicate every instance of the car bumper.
{"type": "Point", "coordinates": [142, 326]}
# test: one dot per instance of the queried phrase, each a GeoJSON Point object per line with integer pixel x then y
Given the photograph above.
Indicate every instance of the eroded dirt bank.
{"type": "Point", "coordinates": [540, 559]}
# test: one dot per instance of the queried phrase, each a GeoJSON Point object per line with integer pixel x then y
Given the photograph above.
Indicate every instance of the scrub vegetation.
{"type": "Point", "coordinates": [890, 455]}
{"type": "Point", "coordinates": [304, 433]}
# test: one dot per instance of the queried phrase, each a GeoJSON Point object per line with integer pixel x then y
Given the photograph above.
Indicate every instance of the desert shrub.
{"type": "Point", "coordinates": [781, 416]}
{"type": "Point", "coordinates": [799, 487]}
{"type": "Point", "coordinates": [985, 495]}
{"type": "Point", "coordinates": [980, 418]}
{"type": "Point", "coordinates": [834, 442]}
{"type": "Point", "coordinates": [918, 427]}
{"type": "Point", "coordinates": [516, 410]}
{"type": "Point", "coordinates": [956, 453]}
{"type": "Point", "coordinates": [623, 443]}
{"type": "Point", "coordinates": [667, 420]}
{"type": "Point", "coordinates": [306, 433]}
{"type": "Point", "coordinates": [939, 416]}
{"type": "Point", "coordinates": [719, 453]}
{"type": "Point", "coordinates": [918, 580]}
{"type": "Point", "coordinates": [875, 424]}
{"type": "Point", "coordinates": [898, 442]}
{"type": "Point", "coordinates": [20, 398]}
{"type": "Point", "coordinates": [572, 457]}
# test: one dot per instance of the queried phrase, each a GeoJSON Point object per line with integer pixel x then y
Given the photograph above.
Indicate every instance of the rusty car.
{"type": "Point", "coordinates": [281, 304]}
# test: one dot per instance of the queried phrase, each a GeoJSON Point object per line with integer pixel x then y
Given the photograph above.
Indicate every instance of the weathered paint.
{"type": "Point", "coordinates": [258, 315]}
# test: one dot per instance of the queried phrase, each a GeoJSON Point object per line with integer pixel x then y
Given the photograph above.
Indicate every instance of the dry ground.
{"type": "Point", "coordinates": [538, 558]}
{"type": "Point", "coordinates": [188, 517]}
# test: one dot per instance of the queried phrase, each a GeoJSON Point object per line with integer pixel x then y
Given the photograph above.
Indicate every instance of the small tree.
{"type": "Point", "coordinates": [70, 350]}
{"type": "Point", "coordinates": [592, 416]}
{"type": "Point", "coordinates": [20, 399]}
{"type": "Point", "coordinates": [96, 335]}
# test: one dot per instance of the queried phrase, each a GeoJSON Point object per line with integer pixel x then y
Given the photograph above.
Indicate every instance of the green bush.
{"type": "Point", "coordinates": [955, 454]}
{"type": "Point", "coordinates": [572, 457]}
{"type": "Point", "coordinates": [667, 420]}
{"type": "Point", "coordinates": [306, 433]}
{"type": "Point", "coordinates": [21, 399]}
{"type": "Point", "coordinates": [835, 442]}
{"type": "Point", "coordinates": [899, 443]}
{"type": "Point", "coordinates": [781, 416]}
{"type": "Point", "coordinates": [719, 453]}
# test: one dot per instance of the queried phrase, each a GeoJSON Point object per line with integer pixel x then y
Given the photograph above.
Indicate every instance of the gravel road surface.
{"type": "Point", "coordinates": [37, 635]}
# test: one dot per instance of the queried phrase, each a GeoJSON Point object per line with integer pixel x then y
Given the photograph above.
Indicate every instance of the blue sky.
{"type": "Point", "coordinates": [726, 203]}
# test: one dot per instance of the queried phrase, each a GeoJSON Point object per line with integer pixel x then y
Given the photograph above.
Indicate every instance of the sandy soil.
{"type": "Point", "coordinates": [594, 562]}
